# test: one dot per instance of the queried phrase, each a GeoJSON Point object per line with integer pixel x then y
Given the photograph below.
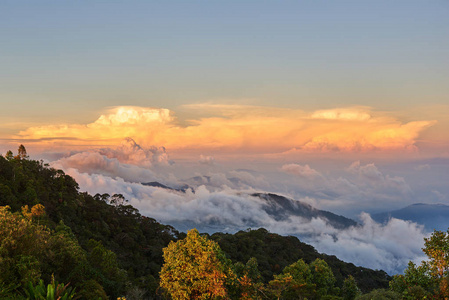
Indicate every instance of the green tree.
{"type": "Point", "coordinates": [6, 196]}
{"type": "Point", "coordinates": [432, 276]}
{"type": "Point", "coordinates": [300, 272]}
{"type": "Point", "coordinates": [9, 155]}
{"type": "Point", "coordinates": [437, 250]}
{"type": "Point", "coordinates": [322, 277]}
{"type": "Point", "coordinates": [105, 261]}
{"type": "Point", "coordinates": [295, 282]}
{"type": "Point", "coordinates": [22, 249]}
{"type": "Point", "coordinates": [249, 279]}
{"type": "Point", "coordinates": [22, 153]}
{"type": "Point", "coordinates": [380, 294]}
{"type": "Point", "coordinates": [31, 253]}
{"type": "Point", "coordinates": [416, 282]}
{"type": "Point", "coordinates": [280, 286]}
{"type": "Point", "coordinates": [350, 290]}
{"type": "Point", "coordinates": [195, 268]}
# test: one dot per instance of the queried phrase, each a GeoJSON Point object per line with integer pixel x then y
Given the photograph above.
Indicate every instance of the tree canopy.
{"type": "Point", "coordinates": [195, 268]}
{"type": "Point", "coordinates": [431, 278]}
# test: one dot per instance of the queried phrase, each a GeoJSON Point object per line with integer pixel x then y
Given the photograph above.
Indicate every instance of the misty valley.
{"type": "Point", "coordinates": [260, 245]}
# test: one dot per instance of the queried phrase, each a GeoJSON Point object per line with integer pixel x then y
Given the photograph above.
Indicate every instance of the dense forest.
{"type": "Point", "coordinates": [57, 240]}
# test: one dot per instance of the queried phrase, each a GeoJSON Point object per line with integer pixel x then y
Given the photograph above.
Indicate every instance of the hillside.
{"type": "Point", "coordinates": [274, 252]}
{"type": "Point", "coordinates": [121, 250]}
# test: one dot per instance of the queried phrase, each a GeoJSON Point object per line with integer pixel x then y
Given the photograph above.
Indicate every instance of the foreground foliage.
{"type": "Point", "coordinates": [195, 268]}
{"type": "Point", "coordinates": [431, 278]}
{"type": "Point", "coordinates": [31, 253]}
{"type": "Point", "coordinates": [53, 291]}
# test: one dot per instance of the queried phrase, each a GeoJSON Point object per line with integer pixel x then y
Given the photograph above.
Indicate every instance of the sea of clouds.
{"type": "Point", "coordinates": [220, 199]}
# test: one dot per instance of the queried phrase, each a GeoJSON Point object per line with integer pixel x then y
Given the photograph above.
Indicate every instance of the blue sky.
{"type": "Point", "coordinates": [86, 55]}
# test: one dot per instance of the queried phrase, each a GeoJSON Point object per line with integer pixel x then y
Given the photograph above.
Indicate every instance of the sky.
{"type": "Point", "coordinates": [340, 104]}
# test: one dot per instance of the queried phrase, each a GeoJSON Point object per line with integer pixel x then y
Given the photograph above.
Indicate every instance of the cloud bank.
{"type": "Point", "coordinates": [358, 187]}
{"type": "Point", "coordinates": [241, 128]}
{"type": "Point", "coordinates": [221, 200]}
{"type": "Point", "coordinates": [389, 246]}
{"type": "Point", "coordinates": [129, 161]}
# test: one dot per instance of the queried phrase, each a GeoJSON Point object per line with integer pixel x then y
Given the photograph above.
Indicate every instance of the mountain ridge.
{"type": "Point", "coordinates": [292, 207]}
{"type": "Point", "coordinates": [431, 216]}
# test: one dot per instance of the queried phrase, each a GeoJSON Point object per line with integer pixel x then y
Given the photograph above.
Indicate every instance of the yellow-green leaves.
{"type": "Point", "coordinates": [195, 268]}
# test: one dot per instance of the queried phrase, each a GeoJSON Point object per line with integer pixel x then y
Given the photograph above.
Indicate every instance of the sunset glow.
{"type": "Point", "coordinates": [227, 115]}
{"type": "Point", "coordinates": [258, 130]}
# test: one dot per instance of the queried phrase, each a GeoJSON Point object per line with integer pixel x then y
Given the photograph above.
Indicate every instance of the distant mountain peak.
{"type": "Point", "coordinates": [157, 184]}
{"type": "Point", "coordinates": [429, 205]}
{"type": "Point", "coordinates": [432, 216]}
{"type": "Point", "coordinates": [281, 207]}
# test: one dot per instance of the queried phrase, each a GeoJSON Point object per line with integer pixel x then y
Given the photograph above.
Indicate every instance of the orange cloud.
{"type": "Point", "coordinates": [240, 128]}
{"type": "Point", "coordinates": [350, 114]}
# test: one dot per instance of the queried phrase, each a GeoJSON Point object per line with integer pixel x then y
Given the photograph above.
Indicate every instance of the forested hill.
{"type": "Point", "coordinates": [136, 241]}
{"type": "Point", "coordinates": [103, 246]}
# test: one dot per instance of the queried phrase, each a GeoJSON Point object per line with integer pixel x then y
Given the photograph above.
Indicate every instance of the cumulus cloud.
{"type": "Point", "coordinates": [367, 136]}
{"type": "Point", "coordinates": [301, 171]}
{"type": "Point", "coordinates": [130, 152]}
{"type": "Point", "coordinates": [378, 246]}
{"type": "Point", "coordinates": [128, 161]}
{"type": "Point", "coordinates": [368, 171]}
{"type": "Point", "coordinates": [422, 167]}
{"type": "Point", "coordinates": [96, 163]}
{"type": "Point", "coordinates": [207, 160]}
{"type": "Point", "coordinates": [248, 180]}
{"type": "Point", "coordinates": [236, 128]}
{"type": "Point", "coordinates": [351, 114]}
{"type": "Point", "coordinates": [389, 247]}
{"type": "Point", "coordinates": [369, 175]}
{"type": "Point", "coordinates": [115, 125]}
{"type": "Point", "coordinates": [349, 190]}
